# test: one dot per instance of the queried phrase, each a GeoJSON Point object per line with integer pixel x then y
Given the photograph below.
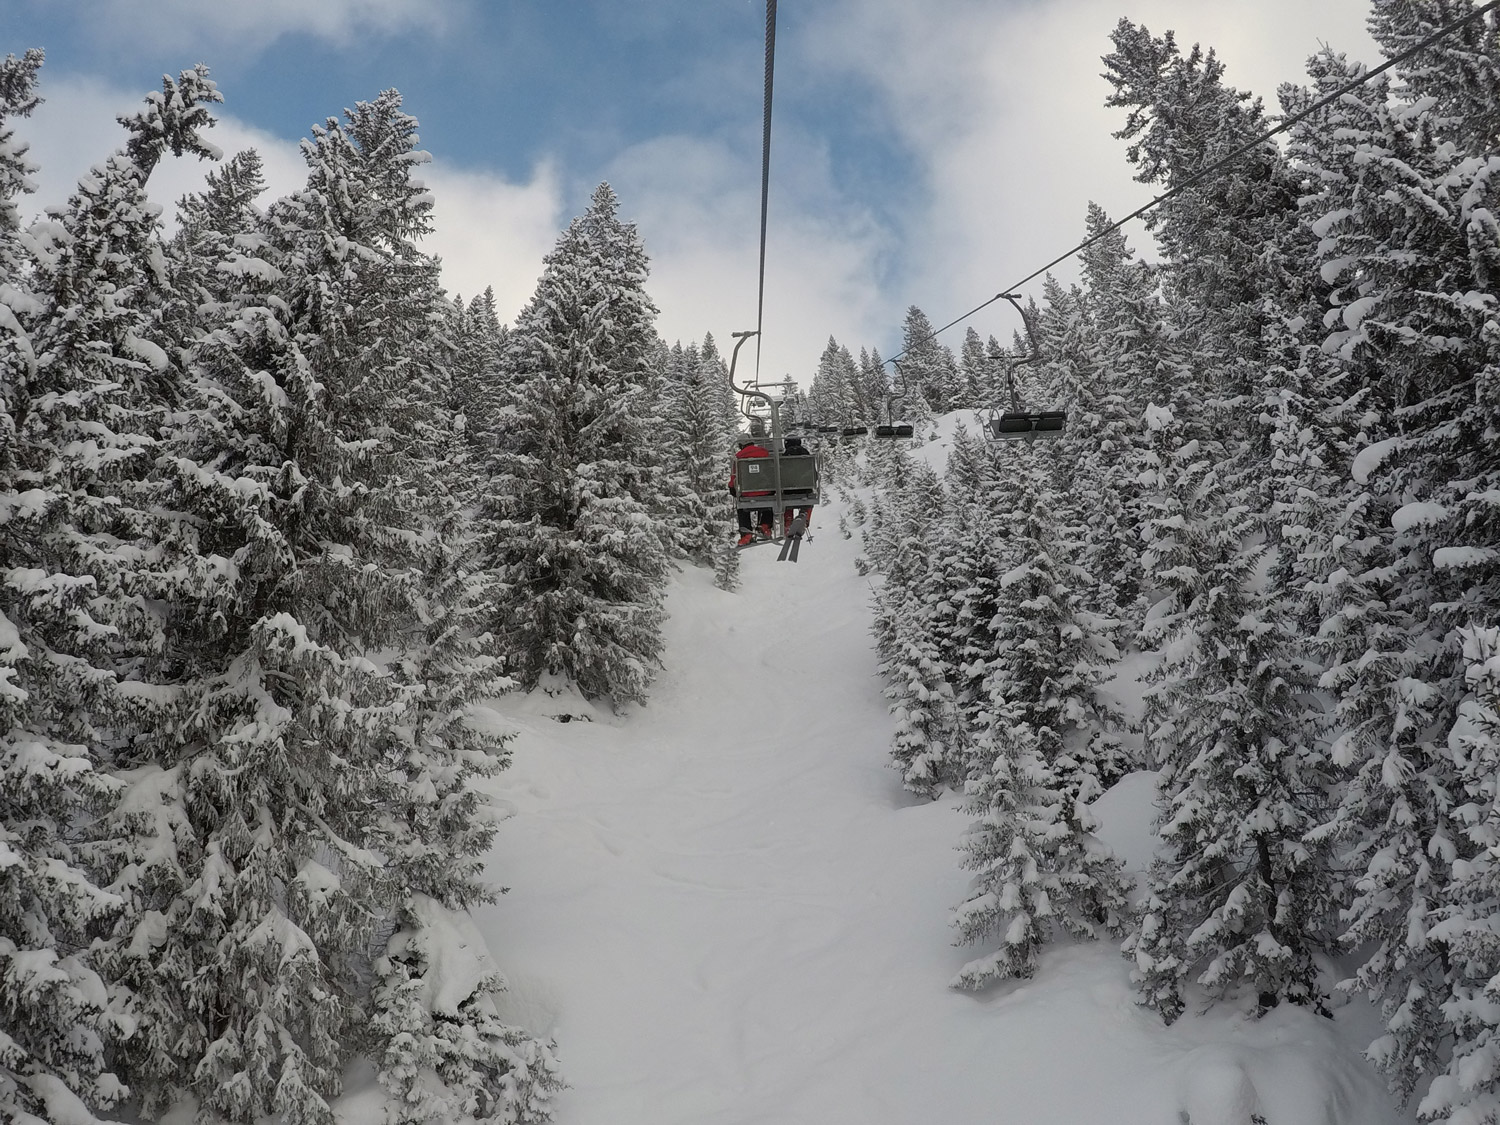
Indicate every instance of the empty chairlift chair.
{"type": "Point", "coordinates": [892, 428]}
{"type": "Point", "coordinates": [1017, 425]}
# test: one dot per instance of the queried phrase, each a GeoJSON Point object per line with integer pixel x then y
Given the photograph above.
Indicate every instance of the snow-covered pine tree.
{"type": "Point", "coordinates": [1049, 653]}
{"type": "Point", "coordinates": [834, 399]}
{"type": "Point", "coordinates": [1102, 428]}
{"type": "Point", "coordinates": [727, 567]}
{"type": "Point", "coordinates": [1460, 73]}
{"type": "Point", "coordinates": [918, 680]}
{"type": "Point", "coordinates": [1239, 897]}
{"type": "Point", "coordinates": [696, 450]}
{"type": "Point", "coordinates": [1091, 480]}
{"type": "Point", "coordinates": [1060, 330]}
{"type": "Point", "coordinates": [925, 740]}
{"type": "Point", "coordinates": [1182, 117]}
{"type": "Point", "coordinates": [1039, 869]}
{"type": "Point", "coordinates": [488, 1069]}
{"type": "Point", "coordinates": [928, 370]}
{"type": "Point", "coordinates": [54, 1028]}
{"type": "Point", "coordinates": [1464, 922]}
{"type": "Point", "coordinates": [996, 396]}
{"type": "Point", "coordinates": [975, 374]}
{"type": "Point", "coordinates": [435, 1010]}
{"type": "Point", "coordinates": [209, 221]}
{"type": "Point", "coordinates": [716, 372]}
{"type": "Point", "coordinates": [1408, 241]}
{"type": "Point", "coordinates": [18, 98]}
{"type": "Point", "coordinates": [305, 780]}
{"type": "Point", "coordinates": [478, 390]}
{"type": "Point", "coordinates": [83, 383]}
{"type": "Point", "coordinates": [873, 385]}
{"type": "Point", "coordinates": [910, 504]}
{"type": "Point", "coordinates": [575, 543]}
{"type": "Point", "coordinates": [976, 555]}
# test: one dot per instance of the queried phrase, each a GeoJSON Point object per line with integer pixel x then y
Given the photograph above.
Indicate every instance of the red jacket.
{"type": "Point", "coordinates": [750, 451]}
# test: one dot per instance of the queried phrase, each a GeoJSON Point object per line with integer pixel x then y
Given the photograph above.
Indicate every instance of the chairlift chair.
{"type": "Point", "coordinates": [778, 482]}
{"type": "Point", "coordinates": [1016, 424]}
{"type": "Point", "coordinates": [891, 428]}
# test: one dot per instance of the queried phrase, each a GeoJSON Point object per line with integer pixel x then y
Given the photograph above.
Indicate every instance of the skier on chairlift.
{"type": "Point", "coordinates": [795, 448]}
{"type": "Point", "coordinates": [762, 516]}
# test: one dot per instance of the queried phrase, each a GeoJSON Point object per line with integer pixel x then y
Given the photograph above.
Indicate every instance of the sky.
{"type": "Point", "coordinates": [924, 154]}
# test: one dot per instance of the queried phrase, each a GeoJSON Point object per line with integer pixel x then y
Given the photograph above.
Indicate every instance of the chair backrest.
{"type": "Point", "coordinates": [799, 474]}
{"type": "Point", "coordinates": [754, 474]}
{"type": "Point", "coordinates": [1036, 423]}
{"type": "Point", "coordinates": [1011, 425]}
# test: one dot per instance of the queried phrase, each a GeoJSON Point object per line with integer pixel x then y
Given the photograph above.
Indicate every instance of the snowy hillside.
{"type": "Point", "coordinates": [727, 910]}
{"type": "Point", "coordinates": [282, 516]}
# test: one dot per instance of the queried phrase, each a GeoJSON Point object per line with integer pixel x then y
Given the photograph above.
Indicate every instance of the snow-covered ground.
{"type": "Point", "coordinates": [727, 911]}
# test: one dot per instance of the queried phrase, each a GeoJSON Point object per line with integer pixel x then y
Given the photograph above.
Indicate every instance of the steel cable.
{"type": "Point", "coordinates": [1197, 177]}
{"type": "Point", "coordinates": [765, 176]}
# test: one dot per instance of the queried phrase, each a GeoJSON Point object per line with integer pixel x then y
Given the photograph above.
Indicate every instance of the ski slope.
{"type": "Point", "coordinates": [727, 911]}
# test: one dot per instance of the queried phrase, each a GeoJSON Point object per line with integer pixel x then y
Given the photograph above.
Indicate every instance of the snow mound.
{"type": "Point", "coordinates": [1370, 458]}
{"type": "Point", "coordinates": [1127, 818]}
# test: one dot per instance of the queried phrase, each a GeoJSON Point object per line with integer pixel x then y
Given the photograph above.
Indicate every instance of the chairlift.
{"type": "Point", "coordinates": [1015, 423]}
{"type": "Point", "coordinates": [855, 431]}
{"type": "Point", "coordinates": [891, 428]}
{"type": "Point", "coordinates": [776, 482]}
{"type": "Point", "coordinates": [1024, 425]}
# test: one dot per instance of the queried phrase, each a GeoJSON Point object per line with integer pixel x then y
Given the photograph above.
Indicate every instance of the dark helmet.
{"type": "Point", "coordinates": [746, 441]}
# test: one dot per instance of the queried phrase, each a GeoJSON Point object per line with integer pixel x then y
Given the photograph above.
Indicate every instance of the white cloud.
{"type": "Point", "coordinates": [75, 129]}
{"type": "Point", "coordinates": [489, 231]}
{"type": "Point", "coordinates": [251, 25]}
{"type": "Point", "coordinates": [697, 204]}
{"type": "Point", "coordinates": [1002, 106]}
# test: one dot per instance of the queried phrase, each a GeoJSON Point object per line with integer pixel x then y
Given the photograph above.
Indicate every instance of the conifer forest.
{"type": "Point", "coordinates": [281, 520]}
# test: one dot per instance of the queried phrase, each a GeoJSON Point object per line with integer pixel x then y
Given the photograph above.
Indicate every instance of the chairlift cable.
{"type": "Point", "coordinates": [1217, 166]}
{"type": "Point", "coordinates": [765, 175]}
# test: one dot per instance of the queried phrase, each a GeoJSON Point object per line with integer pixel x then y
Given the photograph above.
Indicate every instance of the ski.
{"type": "Point", "coordinates": [792, 543]}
